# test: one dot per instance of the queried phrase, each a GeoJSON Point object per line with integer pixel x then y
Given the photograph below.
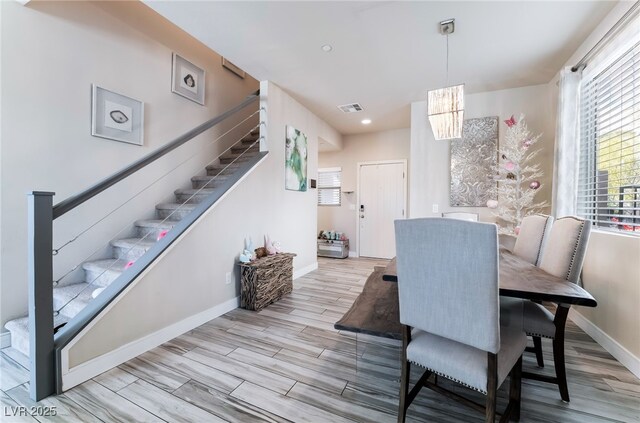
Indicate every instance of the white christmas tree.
{"type": "Point", "coordinates": [518, 179]}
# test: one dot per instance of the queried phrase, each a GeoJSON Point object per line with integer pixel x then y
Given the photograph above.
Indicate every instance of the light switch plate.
{"type": "Point", "coordinates": [228, 278]}
{"type": "Point", "coordinates": [352, 206]}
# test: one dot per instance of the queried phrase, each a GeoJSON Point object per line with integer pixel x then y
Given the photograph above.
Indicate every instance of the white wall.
{"type": "Point", "coordinates": [51, 53]}
{"type": "Point", "coordinates": [384, 145]}
{"type": "Point", "coordinates": [611, 271]}
{"type": "Point", "coordinates": [430, 172]}
{"type": "Point", "coordinates": [190, 279]}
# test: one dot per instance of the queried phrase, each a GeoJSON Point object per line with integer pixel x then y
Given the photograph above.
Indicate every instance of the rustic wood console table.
{"type": "Point", "coordinates": [265, 280]}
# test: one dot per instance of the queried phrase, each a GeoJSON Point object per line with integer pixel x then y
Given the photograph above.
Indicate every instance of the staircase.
{"type": "Point", "coordinates": [71, 298]}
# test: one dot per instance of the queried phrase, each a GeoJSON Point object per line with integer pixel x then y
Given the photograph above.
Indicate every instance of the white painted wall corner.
{"type": "Point", "coordinates": [298, 273]}
{"type": "Point", "coordinates": [353, 254]}
{"type": "Point", "coordinates": [620, 353]}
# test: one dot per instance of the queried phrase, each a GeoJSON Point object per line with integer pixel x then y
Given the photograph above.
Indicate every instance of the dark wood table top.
{"type": "Point", "coordinates": [375, 311]}
{"type": "Point", "coordinates": [520, 279]}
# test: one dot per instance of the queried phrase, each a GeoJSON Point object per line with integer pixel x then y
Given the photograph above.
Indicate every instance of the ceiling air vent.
{"type": "Point", "coordinates": [351, 108]}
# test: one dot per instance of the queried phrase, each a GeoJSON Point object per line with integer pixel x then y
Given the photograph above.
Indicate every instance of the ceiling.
{"type": "Point", "coordinates": [388, 54]}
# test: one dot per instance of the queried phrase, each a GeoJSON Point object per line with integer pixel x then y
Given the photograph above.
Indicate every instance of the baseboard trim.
{"type": "Point", "coordinates": [353, 254]}
{"type": "Point", "coordinates": [98, 365]}
{"type": "Point", "coordinates": [623, 355]}
{"type": "Point", "coordinates": [298, 273]}
{"type": "Point", "coordinates": [5, 340]}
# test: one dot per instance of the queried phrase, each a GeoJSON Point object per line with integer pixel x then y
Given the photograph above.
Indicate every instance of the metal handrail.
{"type": "Point", "coordinates": [45, 377]}
{"type": "Point", "coordinates": [76, 200]}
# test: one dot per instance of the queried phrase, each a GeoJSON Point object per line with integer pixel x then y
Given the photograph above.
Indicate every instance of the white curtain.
{"type": "Point", "coordinates": [567, 155]}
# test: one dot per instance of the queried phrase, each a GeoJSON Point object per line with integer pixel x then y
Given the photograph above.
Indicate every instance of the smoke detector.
{"type": "Point", "coordinates": [351, 108]}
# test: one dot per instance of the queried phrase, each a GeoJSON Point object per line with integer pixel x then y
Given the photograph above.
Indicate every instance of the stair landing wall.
{"type": "Point", "coordinates": [188, 283]}
{"type": "Point", "coordinates": [46, 144]}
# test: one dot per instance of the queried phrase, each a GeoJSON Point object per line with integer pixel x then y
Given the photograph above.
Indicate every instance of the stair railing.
{"type": "Point", "coordinates": [45, 374]}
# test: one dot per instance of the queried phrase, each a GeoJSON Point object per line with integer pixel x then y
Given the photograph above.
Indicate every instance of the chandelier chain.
{"type": "Point", "coordinates": [447, 84]}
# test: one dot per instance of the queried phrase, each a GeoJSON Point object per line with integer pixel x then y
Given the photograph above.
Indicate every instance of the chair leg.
{"type": "Point", "coordinates": [492, 388]}
{"type": "Point", "coordinates": [537, 346]}
{"type": "Point", "coordinates": [405, 376]}
{"type": "Point", "coordinates": [515, 389]}
{"type": "Point", "coordinates": [404, 390]}
{"type": "Point", "coordinates": [558, 351]}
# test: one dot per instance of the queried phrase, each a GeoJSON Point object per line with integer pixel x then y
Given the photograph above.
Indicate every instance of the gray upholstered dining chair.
{"type": "Point", "coordinates": [448, 293]}
{"type": "Point", "coordinates": [471, 217]}
{"type": "Point", "coordinates": [534, 232]}
{"type": "Point", "coordinates": [563, 257]}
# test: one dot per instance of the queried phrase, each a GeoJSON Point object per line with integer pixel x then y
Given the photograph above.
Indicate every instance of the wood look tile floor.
{"type": "Point", "coordinates": [287, 363]}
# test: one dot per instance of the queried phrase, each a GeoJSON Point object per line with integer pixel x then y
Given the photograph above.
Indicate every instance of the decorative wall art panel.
{"type": "Point", "coordinates": [295, 168]}
{"type": "Point", "coordinates": [116, 117]}
{"type": "Point", "coordinates": [187, 79]}
{"type": "Point", "coordinates": [472, 160]}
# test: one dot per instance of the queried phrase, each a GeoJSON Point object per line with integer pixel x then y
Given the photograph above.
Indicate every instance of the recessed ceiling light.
{"type": "Point", "coordinates": [366, 121]}
{"type": "Point", "coordinates": [327, 48]}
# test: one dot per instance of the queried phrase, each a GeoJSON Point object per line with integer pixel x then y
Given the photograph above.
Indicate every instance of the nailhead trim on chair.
{"type": "Point", "coordinates": [539, 255]}
{"type": "Point", "coordinates": [575, 247]}
{"type": "Point", "coordinates": [540, 335]}
{"type": "Point", "coordinates": [449, 377]}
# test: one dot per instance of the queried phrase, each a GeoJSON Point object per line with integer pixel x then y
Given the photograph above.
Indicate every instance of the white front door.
{"type": "Point", "coordinates": [382, 200]}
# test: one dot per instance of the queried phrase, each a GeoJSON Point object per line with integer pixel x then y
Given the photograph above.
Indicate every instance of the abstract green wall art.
{"type": "Point", "coordinates": [295, 165]}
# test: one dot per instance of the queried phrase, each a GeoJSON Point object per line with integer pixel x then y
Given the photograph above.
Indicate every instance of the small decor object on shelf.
{"type": "Point", "coordinates": [247, 254]}
{"type": "Point", "coordinates": [518, 178]}
{"type": "Point", "coordinates": [261, 252]}
{"type": "Point", "coordinates": [187, 79]}
{"type": "Point", "coordinates": [295, 168]}
{"type": "Point", "coordinates": [116, 117]}
{"type": "Point", "coordinates": [265, 280]}
{"type": "Point", "coordinates": [271, 246]}
{"type": "Point", "coordinates": [333, 244]}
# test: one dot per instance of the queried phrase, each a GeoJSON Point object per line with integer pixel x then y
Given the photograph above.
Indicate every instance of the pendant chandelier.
{"type": "Point", "coordinates": [445, 106]}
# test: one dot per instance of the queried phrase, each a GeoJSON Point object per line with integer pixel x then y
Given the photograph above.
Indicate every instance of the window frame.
{"type": "Point", "coordinates": [322, 188]}
{"type": "Point", "coordinates": [599, 99]}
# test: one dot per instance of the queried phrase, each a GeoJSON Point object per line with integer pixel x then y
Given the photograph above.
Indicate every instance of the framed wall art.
{"type": "Point", "coordinates": [472, 160]}
{"type": "Point", "coordinates": [295, 167]}
{"type": "Point", "coordinates": [116, 117]}
{"type": "Point", "coordinates": [187, 79]}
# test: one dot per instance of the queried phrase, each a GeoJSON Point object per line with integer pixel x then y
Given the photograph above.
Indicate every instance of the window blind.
{"type": "Point", "coordinates": [609, 171]}
{"type": "Point", "coordinates": [329, 184]}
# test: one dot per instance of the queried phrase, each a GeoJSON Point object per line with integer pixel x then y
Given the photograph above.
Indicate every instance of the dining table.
{"type": "Point", "coordinates": [376, 310]}
{"type": "Point", "coordinates": [521, 279]}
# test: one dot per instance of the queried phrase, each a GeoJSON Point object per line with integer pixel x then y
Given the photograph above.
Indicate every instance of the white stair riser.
{"type": "Point", "coordinates": [250, 148]}
{"type": "Point", "coordinates": [191, 198]}
{"type": "Point", "coordinates": [150, 232]}
{"type": "Point", "coordinates": [203, 182]}
{"type": "Point", "coordinates": [76, 306]}
{"type": "Point", "coordinates": [100, 278]}
{"type": "Point", "coordinates": [229, 160]}
{"type": "Point", "coordinates": [130, 253]}
{"type": "Point", "coordinates": [221, 171]}
{"type": "Point", "coordinates": [173, 214]}
{"type": "Point", "coordinates": [20, 341]}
